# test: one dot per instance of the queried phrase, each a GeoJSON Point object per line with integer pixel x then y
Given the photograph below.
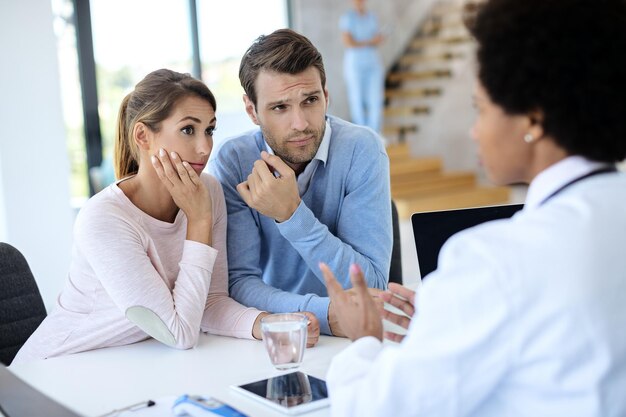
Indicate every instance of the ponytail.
{"type": "Point", "coordinates": [124, 159]}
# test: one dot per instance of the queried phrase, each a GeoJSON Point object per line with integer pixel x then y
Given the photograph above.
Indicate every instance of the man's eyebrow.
{"type": "Point", "coordinates": [276, 103]}
{"type": "Point", "coordinates": [312, 93]}
{"type": "Point", "coordinates": [286, 101]}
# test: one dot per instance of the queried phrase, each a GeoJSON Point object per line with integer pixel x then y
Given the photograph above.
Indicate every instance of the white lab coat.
{"type": "Point", "coordinates": [524, 317]}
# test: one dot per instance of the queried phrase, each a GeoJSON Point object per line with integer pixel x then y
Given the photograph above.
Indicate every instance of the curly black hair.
{"type": "Point", "coordinates": [565, 58]}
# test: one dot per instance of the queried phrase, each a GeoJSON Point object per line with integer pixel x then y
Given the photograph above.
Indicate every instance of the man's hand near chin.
{"type": "Point", "coordinates": [274, 197]}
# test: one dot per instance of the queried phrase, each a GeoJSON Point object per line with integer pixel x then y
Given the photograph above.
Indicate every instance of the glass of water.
{"type": "Point", "coordinates": [284, 336]}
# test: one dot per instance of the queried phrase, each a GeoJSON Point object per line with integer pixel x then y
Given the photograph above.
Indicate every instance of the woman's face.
{"type": "Point", "coordinates": [188, 131]}
{"type": "Point", "coordinates": [500, 137]}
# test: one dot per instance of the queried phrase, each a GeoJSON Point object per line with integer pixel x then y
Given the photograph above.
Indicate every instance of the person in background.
{"type": "Point", "coordinates": [304, 186]}
{"type": "Point", "coordinates": [149, 257]}
{"type": "Point", "coordinates": [363, 69]}
{"type": "Point", "coordinates": [524, 316]}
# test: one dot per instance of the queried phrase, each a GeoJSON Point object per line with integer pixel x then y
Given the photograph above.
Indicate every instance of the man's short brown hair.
{"type": "Point", "coordinates": [283, 51]}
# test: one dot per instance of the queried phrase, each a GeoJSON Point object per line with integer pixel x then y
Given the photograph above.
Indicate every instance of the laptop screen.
{"type": "Point", "coordinates": [433, 228]}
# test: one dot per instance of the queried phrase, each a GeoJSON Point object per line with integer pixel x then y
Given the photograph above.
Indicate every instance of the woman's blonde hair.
{"type": "Point", "coordinates": [150, 103]}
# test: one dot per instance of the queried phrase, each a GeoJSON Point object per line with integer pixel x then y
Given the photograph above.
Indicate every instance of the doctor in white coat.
{"type": "Point", "coordinates": [524, 316]}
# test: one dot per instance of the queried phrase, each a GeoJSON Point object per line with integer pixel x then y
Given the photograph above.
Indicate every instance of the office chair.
{"type": "Point", "coordinates": [21, 305]}
{"type": "Point", "coordinates": [395, 269]}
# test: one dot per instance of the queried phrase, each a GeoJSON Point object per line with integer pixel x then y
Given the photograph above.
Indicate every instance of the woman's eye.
{"type": "Point", "coordinates": [211, 130]}
{"type": "Point", "coordinates": [187, 130]}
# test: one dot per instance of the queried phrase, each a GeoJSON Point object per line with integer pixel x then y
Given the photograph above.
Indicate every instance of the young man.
{"type": "Point", "coordinates": [304, 188]}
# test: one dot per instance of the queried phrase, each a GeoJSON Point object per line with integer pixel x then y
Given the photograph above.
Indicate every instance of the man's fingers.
{"type": "Point", "coordinates": [244, 191]}
{"type": "Point", "coordinates": [263, 171]}
{"type": "Point", "coordinates": [313, 329]}
{"type": "Point", "coordinates": [278, 164]}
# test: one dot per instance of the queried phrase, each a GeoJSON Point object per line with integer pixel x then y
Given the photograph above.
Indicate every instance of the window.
{"type": "Point", "coordinates": [131, 39]}
{"type": "Point", "coordinates": [226, 30]}
{"type": "Point", "coordinates": [65, 32]}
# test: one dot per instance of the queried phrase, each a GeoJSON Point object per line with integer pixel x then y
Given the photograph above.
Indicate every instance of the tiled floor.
{"type": "Point", "coordinates": [410, 268]}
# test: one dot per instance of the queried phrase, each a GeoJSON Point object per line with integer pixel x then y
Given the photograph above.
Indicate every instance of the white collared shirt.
{"type": "Point", "coordinates": [304, 179]}
{"type": "Point", "coordinates": [556, 176]}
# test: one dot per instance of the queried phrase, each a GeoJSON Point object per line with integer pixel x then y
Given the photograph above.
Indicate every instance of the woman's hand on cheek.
{"type": "Point", "coordinates": [184, 185]}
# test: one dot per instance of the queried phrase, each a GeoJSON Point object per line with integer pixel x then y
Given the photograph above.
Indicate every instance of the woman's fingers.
{"type": "Point", "coordinates": [160, 170]}
{"type": "Point", "coordinates": [168, 168]}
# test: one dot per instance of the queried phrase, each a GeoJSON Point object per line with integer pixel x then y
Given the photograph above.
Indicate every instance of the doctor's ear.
{"type": "Point", "coordinates": [536, 119]}
{"type": "Point", "coordinates": [250, 109]}
{"type": "Point", "coordinates": [141, 134]}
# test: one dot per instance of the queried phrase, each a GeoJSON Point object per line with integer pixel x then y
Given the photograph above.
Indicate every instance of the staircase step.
{"type": "Point", "coordinates": [400, 130]}
{"type": "Point", "coordinates": [399, 151]}
{"type": "Point", "coordinates": [400, 169]}
{"type": "Point", "coordinates": [422, 42]}
{"type": "Point", "coordinates": [446, 9]}
{"type": "Point", "coordinates": [406, 111]}
{"type": "Point", "coordinates": [419, 75]}
{"type": "Point", "coordinates": [420, 58]}
{"type": "Point", "coordinates": [437, 24]}
{"type": "Point", "coordinates": [428, 185]}
{"type": "Point", "coordinates": [473, 197]}
{"type": "Point", "coordinates": [416, 92]}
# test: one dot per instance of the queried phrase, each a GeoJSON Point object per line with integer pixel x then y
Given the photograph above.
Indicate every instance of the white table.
{"type": "Point", "coordinates": [95, 382]}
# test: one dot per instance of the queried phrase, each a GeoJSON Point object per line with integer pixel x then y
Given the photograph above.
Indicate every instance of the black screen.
{"type": "Point", "coordinates": [290, 389]}
{"type": "Point", "coordinates": [432, 229]}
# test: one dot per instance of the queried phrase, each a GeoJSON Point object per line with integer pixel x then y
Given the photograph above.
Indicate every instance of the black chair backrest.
{"type": "Point", "coordinates": [395, 269]}
{"type": "Point", "coordinates": [21, 305]}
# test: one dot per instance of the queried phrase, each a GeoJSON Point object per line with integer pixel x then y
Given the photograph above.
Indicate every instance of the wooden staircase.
{"type": "Point", "coordinates": [420, 184]}
{"type": "Point", "coordinates": [413, 85]}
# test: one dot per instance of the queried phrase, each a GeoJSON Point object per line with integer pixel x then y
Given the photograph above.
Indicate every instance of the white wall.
{"type": "Point", "coordinates": [35, 212]}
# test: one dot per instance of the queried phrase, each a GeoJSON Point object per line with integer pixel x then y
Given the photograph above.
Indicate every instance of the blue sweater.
{"type": "Point", "coordinates": [344, 217]}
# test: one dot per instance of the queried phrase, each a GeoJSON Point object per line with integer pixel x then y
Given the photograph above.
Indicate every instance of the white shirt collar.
{"type": "Point", "coordinates": [556, 176]}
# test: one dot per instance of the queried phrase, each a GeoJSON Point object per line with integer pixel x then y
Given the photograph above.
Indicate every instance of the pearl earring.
{"type": "Point", "coordinates": [528, 138]}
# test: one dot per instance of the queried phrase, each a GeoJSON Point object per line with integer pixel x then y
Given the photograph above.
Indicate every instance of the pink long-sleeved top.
{"type": "Point", "coordinates": [133, 276]}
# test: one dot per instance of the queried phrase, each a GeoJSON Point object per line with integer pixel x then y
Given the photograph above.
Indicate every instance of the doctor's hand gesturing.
{"type": "Point", "coordinates": [356, 312]}
{"type": "Point", "coordinates": [403, 299]}
{"type": "Point", "coordinates": [275, 197]}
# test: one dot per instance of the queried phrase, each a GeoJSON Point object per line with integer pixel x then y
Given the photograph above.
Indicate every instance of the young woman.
{"type": "Point", "coordinates": [149, 254]}
{"type": "Point", "coordinates": [524, 316]}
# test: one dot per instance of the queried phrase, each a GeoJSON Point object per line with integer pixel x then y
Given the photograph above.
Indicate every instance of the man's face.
{"type": "Point", "coordinates": [291, 112]}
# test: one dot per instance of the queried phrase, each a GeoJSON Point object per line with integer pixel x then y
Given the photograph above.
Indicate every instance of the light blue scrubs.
{"type": "Point", "coordinates": [363, 70]}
